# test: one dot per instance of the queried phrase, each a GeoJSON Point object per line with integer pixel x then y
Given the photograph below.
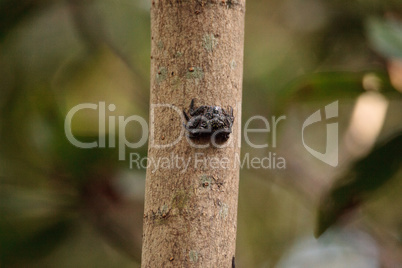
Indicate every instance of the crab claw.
{"type": "Point", "coordinates": [191, 106]}
{"type": "Point", "coordinates": [186, 116]}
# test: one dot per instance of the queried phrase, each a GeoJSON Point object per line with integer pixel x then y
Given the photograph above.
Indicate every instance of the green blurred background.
{"type": "Point", "coordinates": [61, 206]}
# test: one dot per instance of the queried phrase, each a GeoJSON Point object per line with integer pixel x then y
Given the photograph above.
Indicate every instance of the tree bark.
{"type": "Point", "coordinates": [191, 193]}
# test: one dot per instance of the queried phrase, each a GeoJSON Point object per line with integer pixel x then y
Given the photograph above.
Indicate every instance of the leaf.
{"type": "Point", "coordinates": [385, 36]}
{"type": "Point", "coordinates": [39, 245]}
{"type": "Point", "coordinates": [33, 222]}
{"type": "Point", "coordinates": [366, 175]}
{"type": "Point", "coordinates": [334, 85]}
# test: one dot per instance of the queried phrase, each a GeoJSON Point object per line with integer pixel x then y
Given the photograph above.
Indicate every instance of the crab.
{"type": "Point", "coordinates": [207, 121]}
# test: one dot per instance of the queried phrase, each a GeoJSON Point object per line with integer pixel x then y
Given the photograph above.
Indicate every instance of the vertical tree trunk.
{"type": "Point", "coordinates": [191, 193]}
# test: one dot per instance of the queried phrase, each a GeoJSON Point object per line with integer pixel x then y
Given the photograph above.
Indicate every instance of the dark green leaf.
{"type": "Point", "coordinates": [333, 85]}
{"type": "Point", "coordinates": [38, 245]}
{"type": "Point", "coordinates": [32, 222]}
{"type": "Point", "coordinates": [365, 176]}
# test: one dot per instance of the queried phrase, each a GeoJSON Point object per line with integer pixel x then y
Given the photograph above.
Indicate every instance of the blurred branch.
{"type": "Point", "coordinates": [114, 217]}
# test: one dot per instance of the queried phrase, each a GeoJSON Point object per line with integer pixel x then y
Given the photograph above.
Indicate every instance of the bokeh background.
{"type": "Point", "coordinates": [61, 206]}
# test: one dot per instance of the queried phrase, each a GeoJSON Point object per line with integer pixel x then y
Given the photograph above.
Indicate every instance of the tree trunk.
{"type": "Point", "coordinates": [191, 193]}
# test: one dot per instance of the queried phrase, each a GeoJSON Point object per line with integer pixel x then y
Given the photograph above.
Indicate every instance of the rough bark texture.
{"type": "Point", "coordinates": [191, 212]}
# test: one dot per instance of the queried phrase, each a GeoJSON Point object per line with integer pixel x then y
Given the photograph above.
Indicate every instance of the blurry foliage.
{"type": "Point", "coordinates": [12, 14]}
{"type": "Point", "coordinates": [364, 177]}
{"type": "Point", "coordinates": [386, 36]}
{"type": "Point", "coordinates": [327, 86]}
{"type": "Point", "coordinates": [55, 55]}
{"type": "Point", "coordinates": [64, 206]}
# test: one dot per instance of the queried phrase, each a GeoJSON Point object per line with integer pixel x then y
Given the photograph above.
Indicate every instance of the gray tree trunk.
{"type": "Point", "coordinates": [191, 193]}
